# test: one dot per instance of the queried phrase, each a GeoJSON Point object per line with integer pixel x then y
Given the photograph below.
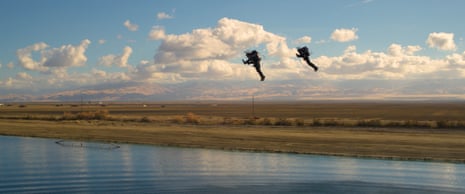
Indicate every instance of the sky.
{"type": "Point", "coordinates": [373, 49]}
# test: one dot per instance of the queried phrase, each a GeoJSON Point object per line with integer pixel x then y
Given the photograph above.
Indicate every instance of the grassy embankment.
{"type": "Point", "coordinates": [362, 130]}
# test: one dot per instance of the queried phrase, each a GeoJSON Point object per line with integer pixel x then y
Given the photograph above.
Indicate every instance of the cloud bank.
{"type": "Point", "coordinates": [213, 55]}
{"type": "Point", "coordinates": [211, 51]}
{"type": "Point", "coordinates": [118, 60]}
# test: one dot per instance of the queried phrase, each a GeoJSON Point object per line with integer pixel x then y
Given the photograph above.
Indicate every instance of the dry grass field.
{"type": "Point", "coordinates": [369, 114]}
{"type": "Point", "coordinates": [417, 131]}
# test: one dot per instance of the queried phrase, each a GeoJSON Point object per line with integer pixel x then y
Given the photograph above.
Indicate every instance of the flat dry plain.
{"type": "Point", "coordinates": [432, 131]}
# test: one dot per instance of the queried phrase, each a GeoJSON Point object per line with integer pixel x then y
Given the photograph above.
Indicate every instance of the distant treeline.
{"type": "Point", "coordinates": [191, 118]}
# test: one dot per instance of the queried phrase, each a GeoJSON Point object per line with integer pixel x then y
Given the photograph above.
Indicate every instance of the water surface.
{"type": "Point", "coordinates": [36, 165]}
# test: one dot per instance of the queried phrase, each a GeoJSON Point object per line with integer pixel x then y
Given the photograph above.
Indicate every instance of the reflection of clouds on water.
{"type": "Point", "coordinates": [413, 172]}
{"type": "Point", "coordinates": [240, 163]}
{"type": "Point", "coordinates": [74, 164]}
{"type": "Point", "coordinates": [450, 174]}
{"type": "Point", "coordinates": [346, 168]}
{"type": "Point", "coordinates": [28, 163]}
{"type": "Point", "coordinates": [27, 148]}
{"type": "Point", "coordinates": [77, 159]}
{"type": "Point", "coordinates": [227, 167]}
{"type": "Point", "coordinates": [35, 156]}
{"type": "Point", "coordinates": [24, 149]}
{"type": "Point", "coordinates": [126, 158]}
{"type": "Point", "coordinates": [401, 172]}
{"type": "Point", "coordinates": [41, 160]}
{"type": "Point", "coordinates": [163, 162]}
{"type": "Point", "coordinates": [446, 174]}
{"type": "Point", "coordinates": [218, 167]}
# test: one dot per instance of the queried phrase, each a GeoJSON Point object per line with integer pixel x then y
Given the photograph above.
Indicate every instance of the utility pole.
{"type": "Point", "coordinates": [253, 106]}
{"type": "Point", "coordinates": [81, 101]}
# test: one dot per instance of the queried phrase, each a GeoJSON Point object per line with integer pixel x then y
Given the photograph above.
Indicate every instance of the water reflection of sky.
{"type": "Point", "coordinates": [40, 165]}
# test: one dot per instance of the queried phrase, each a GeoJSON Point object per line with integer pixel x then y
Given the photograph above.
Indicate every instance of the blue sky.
{"type": "Point", "coordinates": [57, 45]}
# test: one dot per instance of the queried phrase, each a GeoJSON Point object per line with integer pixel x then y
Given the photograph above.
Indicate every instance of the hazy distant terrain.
{"type": "Point", "coordinates": [443, 90]}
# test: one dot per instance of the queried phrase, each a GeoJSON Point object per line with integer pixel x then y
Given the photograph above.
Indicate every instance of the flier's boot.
{"type": "Point", "coordinates": [259, 71]}
{"type": "Point", "coordinates": [311, 64]}
{"type": "Point", "coordinates": [314, 66]}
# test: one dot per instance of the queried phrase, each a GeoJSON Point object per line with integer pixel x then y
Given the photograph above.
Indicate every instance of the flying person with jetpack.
{"type": "Point", "coordinates": [303, 53]}
{"type": "Point", "coordinates": [253, 58]}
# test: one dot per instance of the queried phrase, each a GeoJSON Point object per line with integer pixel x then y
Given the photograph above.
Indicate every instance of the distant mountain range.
{"type": "Point", "coordinates": [244, 90]}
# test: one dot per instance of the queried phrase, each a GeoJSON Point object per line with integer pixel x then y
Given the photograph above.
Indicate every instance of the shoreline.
{"type": "Point", "coordinates": [419, 144]}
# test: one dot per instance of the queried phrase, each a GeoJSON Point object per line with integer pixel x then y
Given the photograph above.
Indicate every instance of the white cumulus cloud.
{"type": "Point", "coordinates": [398, 50]}
{"type": "Point", "coordinates": [130, 26]}
{"type": "Point", "coordinates": [398, 62]}
{"type": "Point", "coordinates": [163, 16]}
{"type": "Point", "coordinates": [64, 56]}
{"type": "Point", "coordinates": [8, 82]}
{"type": "Point", "coordinates": [118, 60]}
{"type": "Point", "coordinates": [25, 56]}
{"type": "Point", "coordinates": [441, 40]}
{"type": "Point", "coordinates": [304, 39]}
{"type": "Point", "coordinates": [23, 76]}
{"type": "Point", "coordinates": [99, 73]}
{"type": "Point", "coordinates": [344, 35]}
{"type": "Point", "coordinates": [228, 39]}
{"type": "Point", "coordinates": [456, 59]}
{"type": "Point", "coordinates": [157, 33]}
{"type": "Point", "coordinates": [206, 53]}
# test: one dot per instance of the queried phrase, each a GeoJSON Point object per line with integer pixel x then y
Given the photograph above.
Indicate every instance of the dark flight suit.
{"type": "Point", "coordinates": [253, 58]}
{"type": "Point", "coordinates": [303, 53]}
